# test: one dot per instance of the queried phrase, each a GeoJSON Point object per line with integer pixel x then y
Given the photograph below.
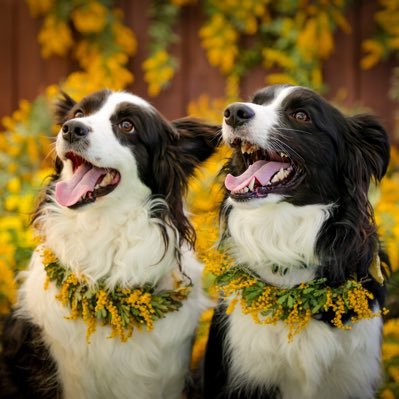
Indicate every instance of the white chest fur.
{"type": "Point", "coordinates": [125, 248]}
{"type": "Point", "coordinates": [320, 362]}
{"type": "Point", "coordinates": [277, 234]}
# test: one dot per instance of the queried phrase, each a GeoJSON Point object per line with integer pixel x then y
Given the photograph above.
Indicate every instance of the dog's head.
{"type": "Point", "coordinates": [291, 145]}
{"type": "Point", "coordinates": [114, 146]}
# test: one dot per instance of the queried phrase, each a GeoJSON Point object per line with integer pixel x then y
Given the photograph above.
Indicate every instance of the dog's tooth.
{"type": "Point", "coordinates": [275, 178]}
{"type": "Point", "coordinates": [245, 189]}
{"type": "Point", "coordinates": [251, 184]}
{"type": "Point", "coordinates": [106, 180]}
{"type": "Point", "coordinates": [248, 148]}
{"type": "Point", "coordinates": [254, 148]}
{"type": "Point", "coordinates": [278, 176]}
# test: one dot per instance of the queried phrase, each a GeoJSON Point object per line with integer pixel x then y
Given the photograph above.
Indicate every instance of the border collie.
{"type": "Point", "coordinates": [296, 210]}
{"type": "Point", "coordinates": [112, 212]}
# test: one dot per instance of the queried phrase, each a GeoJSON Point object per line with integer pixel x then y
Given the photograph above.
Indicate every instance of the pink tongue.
{"type": "Point", "coordinates": [261, 170]}
{"type": "Point", "coordinates": [84, 179]}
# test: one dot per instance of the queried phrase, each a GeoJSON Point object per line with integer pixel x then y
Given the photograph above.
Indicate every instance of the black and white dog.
{"type": "Point", "coordinates": [113, 212]}
{"type": "Point", "coordinates": [297, 195]}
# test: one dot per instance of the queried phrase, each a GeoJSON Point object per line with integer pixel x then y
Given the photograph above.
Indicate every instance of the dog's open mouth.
{"type": "Point", "coordinates": [266, 172]}
{"type": "Point", "coordinates": [87, 183]}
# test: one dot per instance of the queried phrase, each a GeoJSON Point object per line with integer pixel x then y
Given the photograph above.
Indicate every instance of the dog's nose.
{"type": "Point", "coordinates": [74, 130]}
{"type": "Point", "coordinates": [237, 114]}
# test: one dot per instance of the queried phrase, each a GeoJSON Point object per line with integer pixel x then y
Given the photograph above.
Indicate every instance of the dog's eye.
{"type": "Point", "coordinates": [126, 126]}
{"type": "Point", "coordinates": [78, 114]}
{"type": "Point", "coordinates": [301, 116]}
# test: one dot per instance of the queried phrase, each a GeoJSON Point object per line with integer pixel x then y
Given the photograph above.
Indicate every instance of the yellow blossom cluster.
{"type": "Point", "coordinates": [390, 356]}
{"type": "Point", "coordinates": [387, 211]}
{"type": "Point", "coordinates": [23, 149]}
{"type": "Point", "coordinates": [207, 108]}
{"type": "Point", "coordinates": [308, 38]}
{"type": "Point", "coordinates": [201, 338]}
{"type": "Point", "coordinates": [7, 266]}
{"type": "Point", "coordinates": [315, 38]}
{"type": "Point", "coordinates": [386, 38]}
{"type": "Point", "coordinates": [110, 73]}
{"type": "Point", "coordinates": [141, 301]}
{"type": "Point", "coordinates": [181, 3]}
{"type": "Point", "coordinates": [295, 41]}
{"type": "Point", "coordinates": [158, 71]}
{"type": "Point", "coordinates": [219, 38]}
{"type": "Point", "coordinates": [102, 47]}
{"type": "Point", "coordinates": [90, 17]}
{"type": "Point", "coordinates": [55, 37]}
{"type": "Point", "coordinates": [40, 7]}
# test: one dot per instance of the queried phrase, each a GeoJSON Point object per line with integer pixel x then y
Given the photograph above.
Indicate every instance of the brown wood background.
{"type": "Point", "coordinates": [24, 74]}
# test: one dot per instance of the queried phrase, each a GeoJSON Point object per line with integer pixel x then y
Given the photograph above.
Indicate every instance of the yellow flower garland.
{"type": "Point", "coordinates": [123, 309]}
{"type": "Point", "coordinates": [295, 306]}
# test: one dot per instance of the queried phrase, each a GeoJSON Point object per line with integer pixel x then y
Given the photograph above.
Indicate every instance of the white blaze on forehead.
{"type": "Point", "coordinates": [116, 98]}
{"type": "Point", "coordinates": [102, 147]}
{"type": "Point", "coordinates": [266, 116]}
{"type": "Point", "coordinates": [119, 97]}
{"type": "Point", "coordinates": [99, 121]}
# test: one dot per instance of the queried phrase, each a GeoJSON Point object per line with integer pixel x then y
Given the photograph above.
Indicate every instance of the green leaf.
{"type": "Point", "coordinates": [291, 302]}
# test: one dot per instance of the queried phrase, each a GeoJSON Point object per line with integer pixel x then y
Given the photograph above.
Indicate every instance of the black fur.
{"type": "Point", "coordinates": [216, 367]}
{"type": "Point", "coordinates": [27, 370]}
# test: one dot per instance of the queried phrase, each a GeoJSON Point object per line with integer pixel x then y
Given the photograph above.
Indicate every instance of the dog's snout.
{"type": "Point", "coordinates": [74, 130]}
{"type": "Point", "coordinates": [237, 114]}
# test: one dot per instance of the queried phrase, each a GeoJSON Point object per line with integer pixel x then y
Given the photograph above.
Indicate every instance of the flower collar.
{"type": "Point", "coordinates": [296, 306]}
{"type": "Point", "coordinates": [123, 309]}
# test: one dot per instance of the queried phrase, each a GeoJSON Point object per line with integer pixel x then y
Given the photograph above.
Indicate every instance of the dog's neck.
{"type": "Point", "coordinates": [122, 244]}
{"type": "Point", "coordinates": [277, 240]}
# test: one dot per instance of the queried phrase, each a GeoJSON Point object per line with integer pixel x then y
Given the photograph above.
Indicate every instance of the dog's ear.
{"type": "Point", "coordinates": [62, 107]}
{"type": "Point", "coordinates": [350, 243]}
{"type": "Point", "coordinates": [196, 142]}
{"type": "Point", "coordinates": [189, 142]}
{"type": "Point", "coordinates": [367, 152]}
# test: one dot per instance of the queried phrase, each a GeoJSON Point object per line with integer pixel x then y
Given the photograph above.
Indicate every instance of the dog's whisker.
{"type": "Point", "coordinates": [279, 145]}
{"type": "Point", "coordinates": [292, 130]}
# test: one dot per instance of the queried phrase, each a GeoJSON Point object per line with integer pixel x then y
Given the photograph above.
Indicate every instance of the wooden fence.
{"type": "Point", "coordinates": [24, 74]}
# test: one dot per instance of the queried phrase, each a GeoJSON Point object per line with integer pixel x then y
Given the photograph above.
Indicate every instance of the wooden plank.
{"type": "Point", "coordinates": [340, 70]}
{"type": "Point", "coordinates": [29, 64]}
{"type": "Point", "coordinates": [56, 69]}
{"type": "Point", "coordinates": [199, 76]}
{"type": "Point", "coordinates": [8, 98]}
{"type": "Point", "coordinates": [374, 84]}
{"type": "Point", "coordinates": [170, 101]}
{"type": "Point", "coordinates": [136, 17]}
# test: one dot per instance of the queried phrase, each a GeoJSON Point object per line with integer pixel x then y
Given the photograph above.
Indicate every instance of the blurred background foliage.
{"type": "Point", "coordinates": [289, 39]}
